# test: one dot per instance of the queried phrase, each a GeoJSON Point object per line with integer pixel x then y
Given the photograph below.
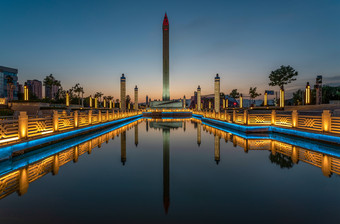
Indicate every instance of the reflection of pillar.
{"type": "Point", "coordinates": [123, 147]}
{"type": "Point", "coordinates": [217, 94]}
{"type": "Point", "coordinates": [23, 181]}
{"type": "Point", "coordinates": [55, 165]}
{"type": "Point", "coordinates": [295, 155]}
{"type": "Point", "coordinates": [89, 150]}
{"type": "Point", "coordinates": [76, 154]}
{"type": "Point", "coordinates": [166, 169]}
{"type": "Point", "coordinates": [198, 134]}
{"type": "Point", "coordinates": [326, 166]}
{"type": "Point", "coordinates": [136, 135]}
{"type": "Point", "coordinates": [184, 125]}
{"type": "Point", "coordinates": [147, 125]}
{"type": "Point", "coordinates": [272, 148]}
{"type": "Point", "coordinates": [217, 149]}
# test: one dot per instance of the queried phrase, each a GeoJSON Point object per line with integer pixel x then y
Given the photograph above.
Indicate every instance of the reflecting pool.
{"type": "Point", "coordinates": [173, 171]}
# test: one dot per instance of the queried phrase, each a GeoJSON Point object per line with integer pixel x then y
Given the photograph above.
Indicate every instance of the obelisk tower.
{"type": "Point", "coordinates": [136, 98]}
{"type": "Point", "coordinates": [166, 90]}
{"type": "Point", "coordinates": [217, 94]}
{"type": "Point", "coordinates": [123, 92]}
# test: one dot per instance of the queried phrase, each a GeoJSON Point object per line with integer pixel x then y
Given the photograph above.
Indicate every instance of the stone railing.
{"type": "Point", "coordinates": [322, 122]}
{"type": "Point", "coordinates": [25, 127]}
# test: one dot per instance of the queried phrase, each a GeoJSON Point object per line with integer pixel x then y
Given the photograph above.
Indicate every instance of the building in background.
{"type": "Point", "coordinates": [8, 83]}
{"type": "Point", "coordinates": [51, 91]}
{"type": "Point", "coordinates": [35, 88]}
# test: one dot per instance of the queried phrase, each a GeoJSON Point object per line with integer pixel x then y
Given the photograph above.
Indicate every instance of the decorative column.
{"type": "Point", "coordinates": [90, 99]}
{"type": "Point", "coordinates": [123, 92]}
{"type": "Point", "coordinates": [25, 92]}
{"type": "Point", "coordinates": [136, 98]}
{"type": "Point", "coordinates": [265, 101]}
{"type": "Point", "coordinates": [90, 117]}
{"type": "Point", "coordinates": [227, 103]}
{"type": "Point", "coordinates": [55, 121]}
{"type": "Point", "coordinates": [199, 98]}
{"type": "Point", "coordinates": [273, 117]}
{"type": "Point", "coordinates": [99, 116]}
{"type": "Point", "coordinates": [76, 120]}
{"type": "Point", "coordinates": [282, 98]}
{"type": "Point", "coordinates": [241, 101]}
{"type": "Point", "coordinates": [294, 118]}
{"type": "Point", "coordinates": [67, 99]}
{"type": "Point", "coordinates": [307, 94]}
{"type": "Point", "coordinates": [326, 120]}
{"type": "Point", "coordinates": [104, 103]}
{"type": "Point", "coordinates": [95, 102]}
{"type": "Point", "coordinates": [217, 93]}
{"type": "Point", "coordinates": [23, 125]}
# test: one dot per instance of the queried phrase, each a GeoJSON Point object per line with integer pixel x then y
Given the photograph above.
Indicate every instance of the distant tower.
{"type": "Point", "coordinates": [147, 101]}
{"type": "Point", "coordinates": [166, 89]}
{"type": "Point", "coordinates": [136, 98]}
{"type": "Point", "coordinates": [199, 98]}
{"type": "Point", "coordinates": [123, 92]}
{"type": "Point", "coordinates": [217, 94]}
{"type": "Point", "coordinates": [184, 102]}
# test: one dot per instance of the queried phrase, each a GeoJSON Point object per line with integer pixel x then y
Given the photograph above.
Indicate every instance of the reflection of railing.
{"type": "Point", "coordinates": [327, 163]}
{"type": "Point", "coordinates": [19, 180]}
{"type": "Point", "coordinates": [27, 126]}
{"type": "Point", "coordinates": [324, 122]}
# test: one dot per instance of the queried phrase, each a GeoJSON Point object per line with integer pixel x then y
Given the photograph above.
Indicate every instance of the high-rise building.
{"type": "Point", "coordinates": [8, 83]}
{"type": "Point", "coordinates": [35, 88]}
{"type": "Point", "coordinates": [166, 88]}
{"type": "Point", "coordinates": [51, 91]}
{"type": "Point", "coordinates": [123, 92]}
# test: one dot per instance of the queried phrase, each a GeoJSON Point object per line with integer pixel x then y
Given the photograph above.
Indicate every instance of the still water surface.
{"type": "Point", "coordinates": [178, 171]}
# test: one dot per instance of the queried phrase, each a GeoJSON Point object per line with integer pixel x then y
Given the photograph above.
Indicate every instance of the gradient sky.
{"type": "Point", "coordinates": [94, 42]}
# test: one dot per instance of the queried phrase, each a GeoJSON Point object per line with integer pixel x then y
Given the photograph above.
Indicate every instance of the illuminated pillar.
{"type": "Point", "coordinates": [227, 103]}
{"type": "Point", "coordinates": [265, 101]}
{"type": "Point", "coordinates": [209, 105]}
{"type": "Point", "coordinates": [95, 102]}
{"type": "Point", "coordinates": [99, 116]}
{"type": "Point", "coordinates": [282, 97]}
{"type": "Point", "coordinates": [245, 116]}
{"type": "Point", "coordinates": [295, 118]}
{"type": "Point", "coordinates": [273, 119]}
{"type": "Point", "coordinates": [67, 99]}
{"type": "Point", "coordinates": [129, 106]}
{"type": "Point", "coordinates": [198, 134]}
{"type": "Point", "coordinates": [223, 103]}
{"type": "Point", "coordinates": [23, 181]}
{"type": "Point", "coordinates": [136, 98]}
{"type": "Point", "coordinates": [199, 98]}
{"type": "Point", "coordinates": [217, 94]}
{"type": "Point", "coordinates": [123, 92]}
{"type": "Point", "coordinates": [55, 121]}
{"type": "Point", "coordinates": [136, 135]}
{"type": "Point", "coordinates": [76, 120]}
{"type": "Point", "coordinates": [217, 149]}
{"type": "Point", "coordinates": [90, 99]}
{"type": "Point", "coordinates": [241, 101]}
{"type": "Point", "coordinates": [123, 147]}
{"type": "Point", "coordinates": [326, 166]}
{"type": "Point", "coordinates": [23, 125]}
{"type": "Point", "coordinates": [25, 92]}
{"type": "Point", "coordinates": [326, 120]}
{"type": "Point", "coordinates": [234, 116]}
{"type": "Point", "coordinates": [104, 103]}
{"type": "Point", "coordinates": [55, 165]}
{"type": "Point", "coordinates": [110, 104]}
{"type": "Point", "coordinates": [90, 116]}
{"type": "Point", "coordinates": [184, 102]}
{"type": "Point", "coordinates": [307, 94]}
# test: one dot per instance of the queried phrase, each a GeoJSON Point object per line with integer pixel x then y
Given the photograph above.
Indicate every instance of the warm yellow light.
{"type": "Point", "coordinates": [90, 101]}
{"type": "Point", "coordinates": [96, 102]}
{"type": "Point", "coordinates": [265, 102]}
{"type": "Point", "coordinates": [241, 101]}
{"type": "Point", "coordinates": [25, 93]}
{"type": "Point", "coordinates": [67, 99]}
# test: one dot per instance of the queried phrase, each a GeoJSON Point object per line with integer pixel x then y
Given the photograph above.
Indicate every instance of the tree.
{"type": "Point", "coordinates": [234, 94]}
{"type": "Point", "coordinates": [297, 97]}
{"type": "Point", "coordinates": [50, 81]}
{"type": "Point", "coordinates": [79, 90]}
{"type": "Point", "coordinates": [282, 76]}
{"type": "Point", "coordinates": [253, 94]}
{"type": "Point", "coordinates": [128, 99]}
{"type": "Point", "coordinates": [98, 95]}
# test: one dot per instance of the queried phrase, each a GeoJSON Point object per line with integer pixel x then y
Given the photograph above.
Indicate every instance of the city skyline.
{"type": "Point", "coordinates": [97, 42]}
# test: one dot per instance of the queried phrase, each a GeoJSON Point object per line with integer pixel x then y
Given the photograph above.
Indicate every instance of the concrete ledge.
{"type": "Point", "coordinates": [7, 151]}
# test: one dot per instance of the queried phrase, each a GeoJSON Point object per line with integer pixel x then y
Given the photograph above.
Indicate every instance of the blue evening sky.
{"type": "Point", "coordinates": [94, 42]}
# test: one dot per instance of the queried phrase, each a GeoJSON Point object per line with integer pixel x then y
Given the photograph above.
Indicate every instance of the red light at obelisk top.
{"type": "Point", "coordinates": [165, 22]}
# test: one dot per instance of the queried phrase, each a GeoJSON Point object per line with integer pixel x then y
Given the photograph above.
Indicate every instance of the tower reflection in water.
{"type": "Point", "coordinates": [18, 174]}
